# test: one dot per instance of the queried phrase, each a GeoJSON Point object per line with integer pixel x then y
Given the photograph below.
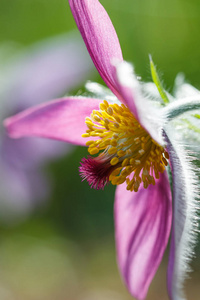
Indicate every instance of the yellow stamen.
{"type": "Point", "coordinates": [89, 143]}
{"type": "Point", "coordinates": [85, 135]}
{"type": "Point", "coordinates": [112, 150]}
{"type": "Point", "coordinates": [114, 161]}
{"type": "Point", "coordinates": [93, 151]}
{"type": "Point", "coordinates": [110, 111]}
{"type": "Point", "coordinates": [134, 157]}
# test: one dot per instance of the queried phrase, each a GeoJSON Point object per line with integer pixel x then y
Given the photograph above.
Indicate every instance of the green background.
{"type": "Point", "coordinates": [65, 250]}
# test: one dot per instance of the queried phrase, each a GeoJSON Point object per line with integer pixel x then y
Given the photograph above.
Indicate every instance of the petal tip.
{"type": "Point", "coordinates": [7, 124]}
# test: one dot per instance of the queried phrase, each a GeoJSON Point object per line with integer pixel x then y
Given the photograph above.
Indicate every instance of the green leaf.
{"type": "Point", "coordinates": [191, 126]}
{"type": "Point", "coordinates": [157, 82]}
{"type": "Point", "coordinates": [196, 116]}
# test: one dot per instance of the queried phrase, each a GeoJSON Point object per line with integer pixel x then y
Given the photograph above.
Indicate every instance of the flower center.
{"type": "Point", "coordinates": [127, 152]}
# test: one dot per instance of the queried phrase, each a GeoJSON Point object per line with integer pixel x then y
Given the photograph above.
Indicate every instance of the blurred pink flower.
{"type": "Point", "coordinates": [43, 71]}
{"type": "Point", "coordinates": [137, 141]}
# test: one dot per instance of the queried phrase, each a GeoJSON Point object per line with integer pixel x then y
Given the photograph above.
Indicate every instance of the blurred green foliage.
{"type": "Point", "coordinates": [168, 30]}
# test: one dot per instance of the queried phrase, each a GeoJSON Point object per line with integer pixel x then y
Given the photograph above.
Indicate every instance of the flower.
{"type": "Point", "coordinates": [137, 141]}
{"type": "Point", "coordinates": [29, 76]}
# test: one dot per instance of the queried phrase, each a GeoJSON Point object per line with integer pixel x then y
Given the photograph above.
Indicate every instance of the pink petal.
{"type": "Point", "coordinates": [62, 119]}
{"type": "Point", "coordinates": [99, 36]}
{"type": "Point", "coordinates": [142, 224]}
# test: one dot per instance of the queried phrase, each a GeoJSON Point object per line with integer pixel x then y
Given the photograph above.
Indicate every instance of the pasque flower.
{"type": "Point", "coordinates": [134, 142]}
{"type": "Point", "coordinates": [31, 75]}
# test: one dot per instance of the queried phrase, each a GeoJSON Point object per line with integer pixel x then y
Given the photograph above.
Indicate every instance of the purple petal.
{"type": "Point", "coordinates": [62, 119]}
{"type": "Point", "coordinates": [41, 72]}
{"type": "Point", "coordinates": [99, 36]}
{"type": "Point", "coordinates": [142, 224]}
{"type": "Point", "coordinates": [46, 70]}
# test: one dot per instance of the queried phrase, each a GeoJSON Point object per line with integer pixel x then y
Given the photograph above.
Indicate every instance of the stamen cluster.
{"type": "Point", "coordinates": [127, 152]}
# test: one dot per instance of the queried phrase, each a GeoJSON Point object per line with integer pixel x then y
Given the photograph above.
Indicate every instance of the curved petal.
{"type": "Point", "coordinates": [62, 119]}
{"type": "Point", "coordinates": [99, 36]}
{"type": "Point", "coordinates": [185, 216]}
{"type": "Point", "coordinates": [142, 224]}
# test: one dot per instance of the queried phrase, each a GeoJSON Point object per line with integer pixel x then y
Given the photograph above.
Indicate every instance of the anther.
{"type": "Point", "coordinates": [102, 106]}
{"type": "Point", "coordinates": [89, 143]}
{"type": "Point", "coordinates": [96, 118]}
{"type": "Point", "coordinates": [127, 152]}
{"type": "Point", "coordinates": [112, 150]}
{"type": "Point", "coordinates": [117, 119]}
{"type": "Point", "coordinates": [84, 135]}
{"type": "Point", "coordinates": [121, 153]}
{"type": "Point", "coordinates": [106, 103]}
{"type": "Point", "coordinates": [113, 143]}
{"type": "Point", "coordinates": [125, 162]}
{"type": "Point", "coordinates": [110, 111]}
{"type": "Point", "coordinates": [166, 155]}
{"type": "Point", "coordinates": [114, 161]}
{"type": "Point", "coordinates": [93, 151]}
{"type": "Point", "coordinates": [121, 180]}
{"type": "Point", "coordinates": [116, 125]}
{"type": "Point", "coordinates": [145, 172]}
{"type": "Point", "coordinates": [145, 184]}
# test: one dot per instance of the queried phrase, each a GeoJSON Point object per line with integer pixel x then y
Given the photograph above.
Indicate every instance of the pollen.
{"type": "Point", "coordinates": [126, 151]}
